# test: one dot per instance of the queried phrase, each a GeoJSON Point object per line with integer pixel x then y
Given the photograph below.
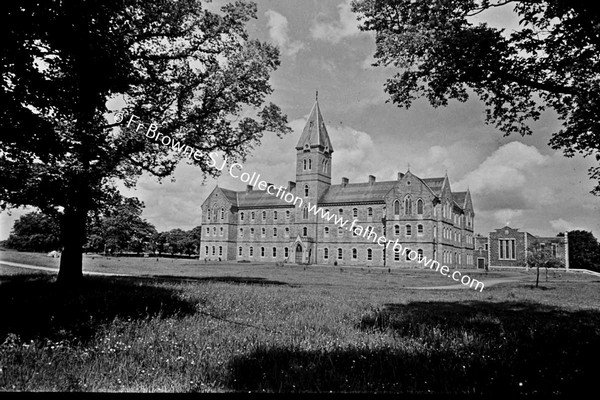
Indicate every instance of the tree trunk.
{"type": "Point", "coordinates": [73, 233]}
{"type": "Point", "coordinates": [537, 279]}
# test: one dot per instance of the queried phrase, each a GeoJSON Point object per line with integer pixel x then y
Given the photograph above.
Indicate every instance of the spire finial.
{"type": "Point", "coordinates": [408, 167]}
{"type": "Point", "coordinates": [317, 96]}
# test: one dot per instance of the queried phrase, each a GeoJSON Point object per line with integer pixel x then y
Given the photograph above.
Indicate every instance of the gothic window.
{"type": "Point", "coordinates": [221, 231]}
{"type": "Point", "coordinates": [263, 232]}
{"type": "Point", "coordinates": [325, 253]}
{"type": "Point", "coordinates": [275, 215]}
{"type": "Point", "coordinates": [252, 215]}
{"type": "Point", "coordinates": [369, 255]}
{"type": "Point", "coordinates": [340, 232]}
{"type": "Point", "coordinates": [222, 213]}
{"type": "Point", "coordinates": [241, 216]}
{"type": "Point", "coordinates": [354, 254]}
{"type": "Point", "coordinates": [206, 250]}
{"type": "Point", "coordinates": [251, 251]}
{"type": "Point", "coordinates": [207, 231]}
{"type": "Point", "coordinates": [240, 251]}
{"type": "Point", "coordinates": [305, 231]}
{"type": "Point", "coordinates": [396, 230]}
{"type": "Point", "coordinates": [241, 232]}
{"type": "Point", "coordinates": [262, 251]}
{"type": "Point", "coordinates": [369, 213]}
{"type": "Point", "coordinates": [355, 212]}
{"type": "Point", "coordinates": [304, 164]}
{"type": "Point", "coordinates": [420, 207]}
{"type": "Point", "coordinates": [396, 256]}
{"type": "Point", "coordinates": [274, 232]}
{"type": "Point", "coordinates": [420, 254]}
{"type": "Point", "coordinates": [326, 231]}
{"type": "Point", "coordinates": [287, 232]}
{"type": "Point", "coordinates": [407, 206]}
{"type": "Point", "coordinates": [220, 250]}
{"type": "Point", "coordinates": [274, 252]}
{"type": "Point", "coordinates": [252, 232]}
{"type": "Point", "coordinates": [397, 207]}
{"type": "Point", "coordinates": [305, 213]}
{"type": "Point", "coordinates": [286, 252]}
{"type": "Point", "coordinates": [340, 254]}
{"type": "Point", "coordinates": [214, 250]}
{"type": "Point", "coordinates": [309, 164]}
{"type": "Point", "coordinates": [419, 229]}
{"type": "Point", "coordinates": [215, 214]}
{"type": "Point", "coordinates": [208, 214]}
{"type": "Point", "coordinates": [264, 215]}
{"type": "Point", "coordinates": [408, 230]}
{"type": "Point", "coordinates": [305, 190]}
{"type": "Point", "coordinates": [287, 214]}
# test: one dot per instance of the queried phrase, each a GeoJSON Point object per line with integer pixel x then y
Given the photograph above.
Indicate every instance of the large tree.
{"type": "Point", "coordinates": [584, 250]}
{"type": "Point", "coordinates": [552, 60]}
{"type": "Point", "coordinates": [35, 232]}
{"type": "Point", "coordinates": [194, 72]}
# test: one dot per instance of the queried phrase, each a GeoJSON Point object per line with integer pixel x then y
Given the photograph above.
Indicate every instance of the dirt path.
{"type": "Point", "coordinates": [38, 268]}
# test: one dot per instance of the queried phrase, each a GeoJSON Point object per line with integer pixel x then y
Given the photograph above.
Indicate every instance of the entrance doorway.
{"type": "Point", "coordinates": [481, 263]}
{"type": "Point", "coordinates": [298, 254]}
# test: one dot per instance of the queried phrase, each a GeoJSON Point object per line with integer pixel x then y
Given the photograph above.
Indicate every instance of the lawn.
{"type": "Point", "coordinates": [250, 327]}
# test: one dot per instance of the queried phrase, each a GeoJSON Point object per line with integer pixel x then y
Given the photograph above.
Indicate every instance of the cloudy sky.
{"type": "Point", "coordinates": [516, 180]}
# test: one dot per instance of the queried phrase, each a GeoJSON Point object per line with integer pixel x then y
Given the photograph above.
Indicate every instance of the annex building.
{"type": "Point", "coordinates": [424, 214]}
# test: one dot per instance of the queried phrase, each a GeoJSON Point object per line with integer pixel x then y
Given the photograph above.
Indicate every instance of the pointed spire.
{"type": "Point", "coordinates": [315, 132]}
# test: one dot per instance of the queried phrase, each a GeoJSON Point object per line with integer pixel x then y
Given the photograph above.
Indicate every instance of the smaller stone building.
{"type": "Point", "coordinates": [508, 247]}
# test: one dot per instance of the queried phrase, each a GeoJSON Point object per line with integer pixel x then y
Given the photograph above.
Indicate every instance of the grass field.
{"type": "Point", "coordinates": [249, 327]}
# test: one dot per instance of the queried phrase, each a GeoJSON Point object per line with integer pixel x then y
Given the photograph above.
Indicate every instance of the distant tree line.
{"type": "Point", "coordinates": [117, 231]}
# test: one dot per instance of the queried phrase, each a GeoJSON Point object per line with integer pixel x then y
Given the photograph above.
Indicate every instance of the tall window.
{"type": "Point", "coordinates": [355, 212]}
{"type": "Point", "coordinates": [305, 190]}
{"type": "Point", "coordinates": [215, 214]}
{"type": "Point", "coordinates": [354, 254]}
{"type": "Point", "coordinates": [419, 229]}
{"type": "Point", "coordinates": [214, 231]}
{"type": "Point", "coordinates": [205, 250]}
{"type": "Point", "coordinates": [340, 231]}
{"type": "Point", "coordinates": [420, 207]}
{"type": "Point", "coordinates": [370, 255]}
{"type": "Point", "coordinates": [274, 252]}
{"type": "Point", "coordinates": [208, 213]}
{"type": "Point", "coordinates": [240, 251]}
{"type": "Point", "coordinates": [287, 232]}
{"type": "Point", "coordinates": [340, 254]}
{"type": "Point", "coordinates": [310, 164]}
{"type": "Point", "coordinates": [304, 164]}
{"type": "Point", "coordinates": [435, 232]}
{"type": "Point", "coordinates": [420, 254]}
{"type": "Point", "coordinates": [252, 232]}
{"type": "Point", "coordinates": [251, 251]}
{"type": "Point", "coordinates": [325, 253]}
{"type": "Point", "coordinates": [262, 251]}
{"type": "Point", "coordinates": [355, 232]}
{"type": "Point", "coordinates": [264, 215]}
{"type": "Point", "coordinates": [207, 231]}
{"type": "Point", "coordinates": [341, 211]}
{"type": "Point", "coordinates": [396, 255]}
{"type": "Point", "coordinates": [326, 231]}
{"type": "Point", "coordinates": [287, 214]}
{"type": "Point", "coordinates": [214, 250]}
{"type": "Point", "coordinates": [263, 232]}
{"type": "Point", "coordinates": [407, 206]}
{"type": "Point", "coordinates": [554, 249]}
{"type": "Point", "coordinates": [506, 249]}
{"type": "Point", "coordinates": [220, 250]}
{"type": "Point", "coordinates": [305, 213]}
{"type": "Point", "coordinates": [241, 216]}
{"type": "Point", "coordinates": [396, 230]}
{"type": "Point", "coordinates": [274, 232]}
{"type": "Point", "coordinates": [286, 252]}
{"type": "Point", "coordinates": [397, 207]}
{"type": "Point", "coordinates": [221, 231]}
{"type": "Point", "coordinates": [222, 213]}
{"type": "Point", "coordinates": [275, 215]}
{"type": "Point", "coordinates": [369, 213]}
{"type": "Point", "coordinates": [252, 215]}
{"type": "Point", "coordinates": [241, 232]}
{"type": "Point", "coordinates": [407, 253]}
{"type": "Point", "coordinates": [408, 229]}
{"type": "Point", "coordinates": [305, 231]}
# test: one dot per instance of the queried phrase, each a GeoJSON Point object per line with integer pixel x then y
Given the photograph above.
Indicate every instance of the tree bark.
{"type": "Point", "coordinates": [537, 279]}
{"type": "Point", "coordinates": [73, 232]}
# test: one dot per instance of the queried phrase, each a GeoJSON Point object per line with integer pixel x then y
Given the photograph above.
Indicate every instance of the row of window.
{"type": "Point", "coordinates": [307, 164]}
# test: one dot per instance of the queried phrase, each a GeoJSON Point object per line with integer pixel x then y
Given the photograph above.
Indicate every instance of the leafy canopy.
{"type": "Point", "coordinates": [552, 60]}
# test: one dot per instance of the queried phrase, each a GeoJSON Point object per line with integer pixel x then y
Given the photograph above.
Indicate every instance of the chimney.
{"type": "Point", "coordinates": [344, 182]}
{"type": "Point", "coordinates": [291, 185]}
{"type": "Point", "coordinates": [371, 179]}
{"type": "Point", "coordinates": [248, 188]}
{"type": "Point", "coordinates": [400, 175]}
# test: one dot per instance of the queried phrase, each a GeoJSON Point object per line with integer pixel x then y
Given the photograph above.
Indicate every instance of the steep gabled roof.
{"type": "Point", "coordinates": [435, 184]}
{"type": "Point", "coordinates": [259, 198]}
{"type": "Point", "coordinates": [460, 198]}
{"type": "Point", "coordinates": [357, 192]}
{"type": "Point", "coordinates": [315, 132]}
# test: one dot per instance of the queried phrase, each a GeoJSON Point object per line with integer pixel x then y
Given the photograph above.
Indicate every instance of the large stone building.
{"type": "Point", "coordinates": [508, 247]}
{"type": "Point", "coordinates": [425, 215]}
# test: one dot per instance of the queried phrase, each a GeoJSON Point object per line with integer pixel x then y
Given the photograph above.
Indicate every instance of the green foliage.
{"type": "Point", "coordinates": [195, 72]}
{"type": "Point", "coordinates": [35, 231]}
{"type": "Point", "coordinates": [584, 250]}
{"type": "Point", "coordinates": [549, 61]}
{"type": "Point", "coordinates": [541, 257]}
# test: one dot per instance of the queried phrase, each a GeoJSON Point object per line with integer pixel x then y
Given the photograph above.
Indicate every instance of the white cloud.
{"type": "Point", "coordinates": [279, 33]}
{"type": "Point", "coordinates": [561, 225]}
{"type": "Point", "coordinates": [334, 31]}
{"type": "Point", "coordinates": [507, 216]}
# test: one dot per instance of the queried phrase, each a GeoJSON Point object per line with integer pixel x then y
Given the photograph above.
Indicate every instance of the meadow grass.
{"type": "Point", "coordinates": [285, 329]}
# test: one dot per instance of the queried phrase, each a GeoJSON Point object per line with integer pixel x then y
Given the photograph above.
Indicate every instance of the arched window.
{"type": "Point", "coordinates": [208, 214]}
{"type": "Point", "coordinates": [251, 251]}
{"type": "Point", "coordinates": [251, 231]}
{"type": "Point", "coordinates": [369, 213]}
{"type": "Point", "coordinates": [241, 216]}
{"type": "Point", "coordinates": [263, 232]}
{"type": "Point", "coordinates": [355, 212]}
{"type": "Point", "coordinates": [207, 231]}
{"type": "Point", "coordinates": [420, 254]}
{"type": "Point", "coordinates": [220, 250]}
{"type": "Point", "coordinates": [354, 254]}
{"type": "Point", "coordinates": [407, 253]}
{"type": "Point", "coordinates": [340, 231]}
{"type": "Point", "coordinates": [305, 212]}
{"type": "Point", "coordinates": [215, 214]}
{"type": "Point", "coordinates": [369, 255]}
{"type": "Point", "coordinates": [287, 232]}
{"type": "Point", "coordinates": [241, 232]}
{"type": "Point", "coordinates": [408, 229]}
{"type": "Point", "coordinates": [396, 230]}
{"type": "Point", "coordinates": [397, 207]}
{"type": "Point", "coordinates": [420, 207]}
{"type": "Point", "coordinates": [214, 250]}
{"type": "Point", "coordinates": [252, 215]}
{"type": "Point", "coordinates": [419, 229]}
{"type": "Point", "coordinates": [326, 231]}
{"type": "Point", "coordinates": [275, 215]}
{"type": "Point", "coordinates": [325, 253]}
{"type": "Point", "coordinates": [214, 231]}
{"type": "Point", "coordinates": [340, 254]}
{"type": "Point", "coordinates": [222, 213]}
{"type": "Point", "coordinates": [355, 232]}
{"type": "Point", "coordinates": [240, 251]}
{"type": "Point", "coordinates": [206, 250]}
{"type": "Point", "coordinates": [264, 215]}
{"type": "Point", "coordinates": [310, 164]}
{"type": "Point", "coordinates": [304, 164]}
{"type": "Point", "coordinates": [407, 206]}
{"type": "Point", "coordinates": [274, 252]}
{"type": "Point", "coordinates": [340, 211]}
{"type": "Point", "coordinates": [396, 256]}
{"type": "Point", "coordinates": [435, 232]}
{"type": "Point", "coordinates": [286, 252]}
{"type": "Point", "coordinates": [221, 231]}
{"type": "Point", "coordinates": [287, 214]}
{"type": "Point", "coordinates": [305, 190]}
{"type": "Point", "coordinates": [262, 251]}
{"type": "Point", "coordinates": [274, 232]}
{"type": "Point", "coordinates": [305, 231]}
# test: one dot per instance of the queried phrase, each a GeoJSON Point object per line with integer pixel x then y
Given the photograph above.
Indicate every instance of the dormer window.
{"type": "Point", "coordinates": [326, 149]}
{"type": "Point", "coordinates": [306, 147]}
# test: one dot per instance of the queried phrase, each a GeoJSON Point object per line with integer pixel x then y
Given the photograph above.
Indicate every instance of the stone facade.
{"type": "Point", "coordinates": [425, 215]}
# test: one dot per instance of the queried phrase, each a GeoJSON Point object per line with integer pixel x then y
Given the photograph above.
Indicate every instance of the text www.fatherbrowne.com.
{"type": "Point", "coordinates": [280, 192]}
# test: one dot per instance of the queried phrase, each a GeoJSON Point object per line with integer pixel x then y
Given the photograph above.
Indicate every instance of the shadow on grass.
{"type": "Point", "coordinates": [437, 347]}
{"type": "Point", "coordinates": [35, 306]}
{"type": "Point", "coordinates": [242, 280]}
